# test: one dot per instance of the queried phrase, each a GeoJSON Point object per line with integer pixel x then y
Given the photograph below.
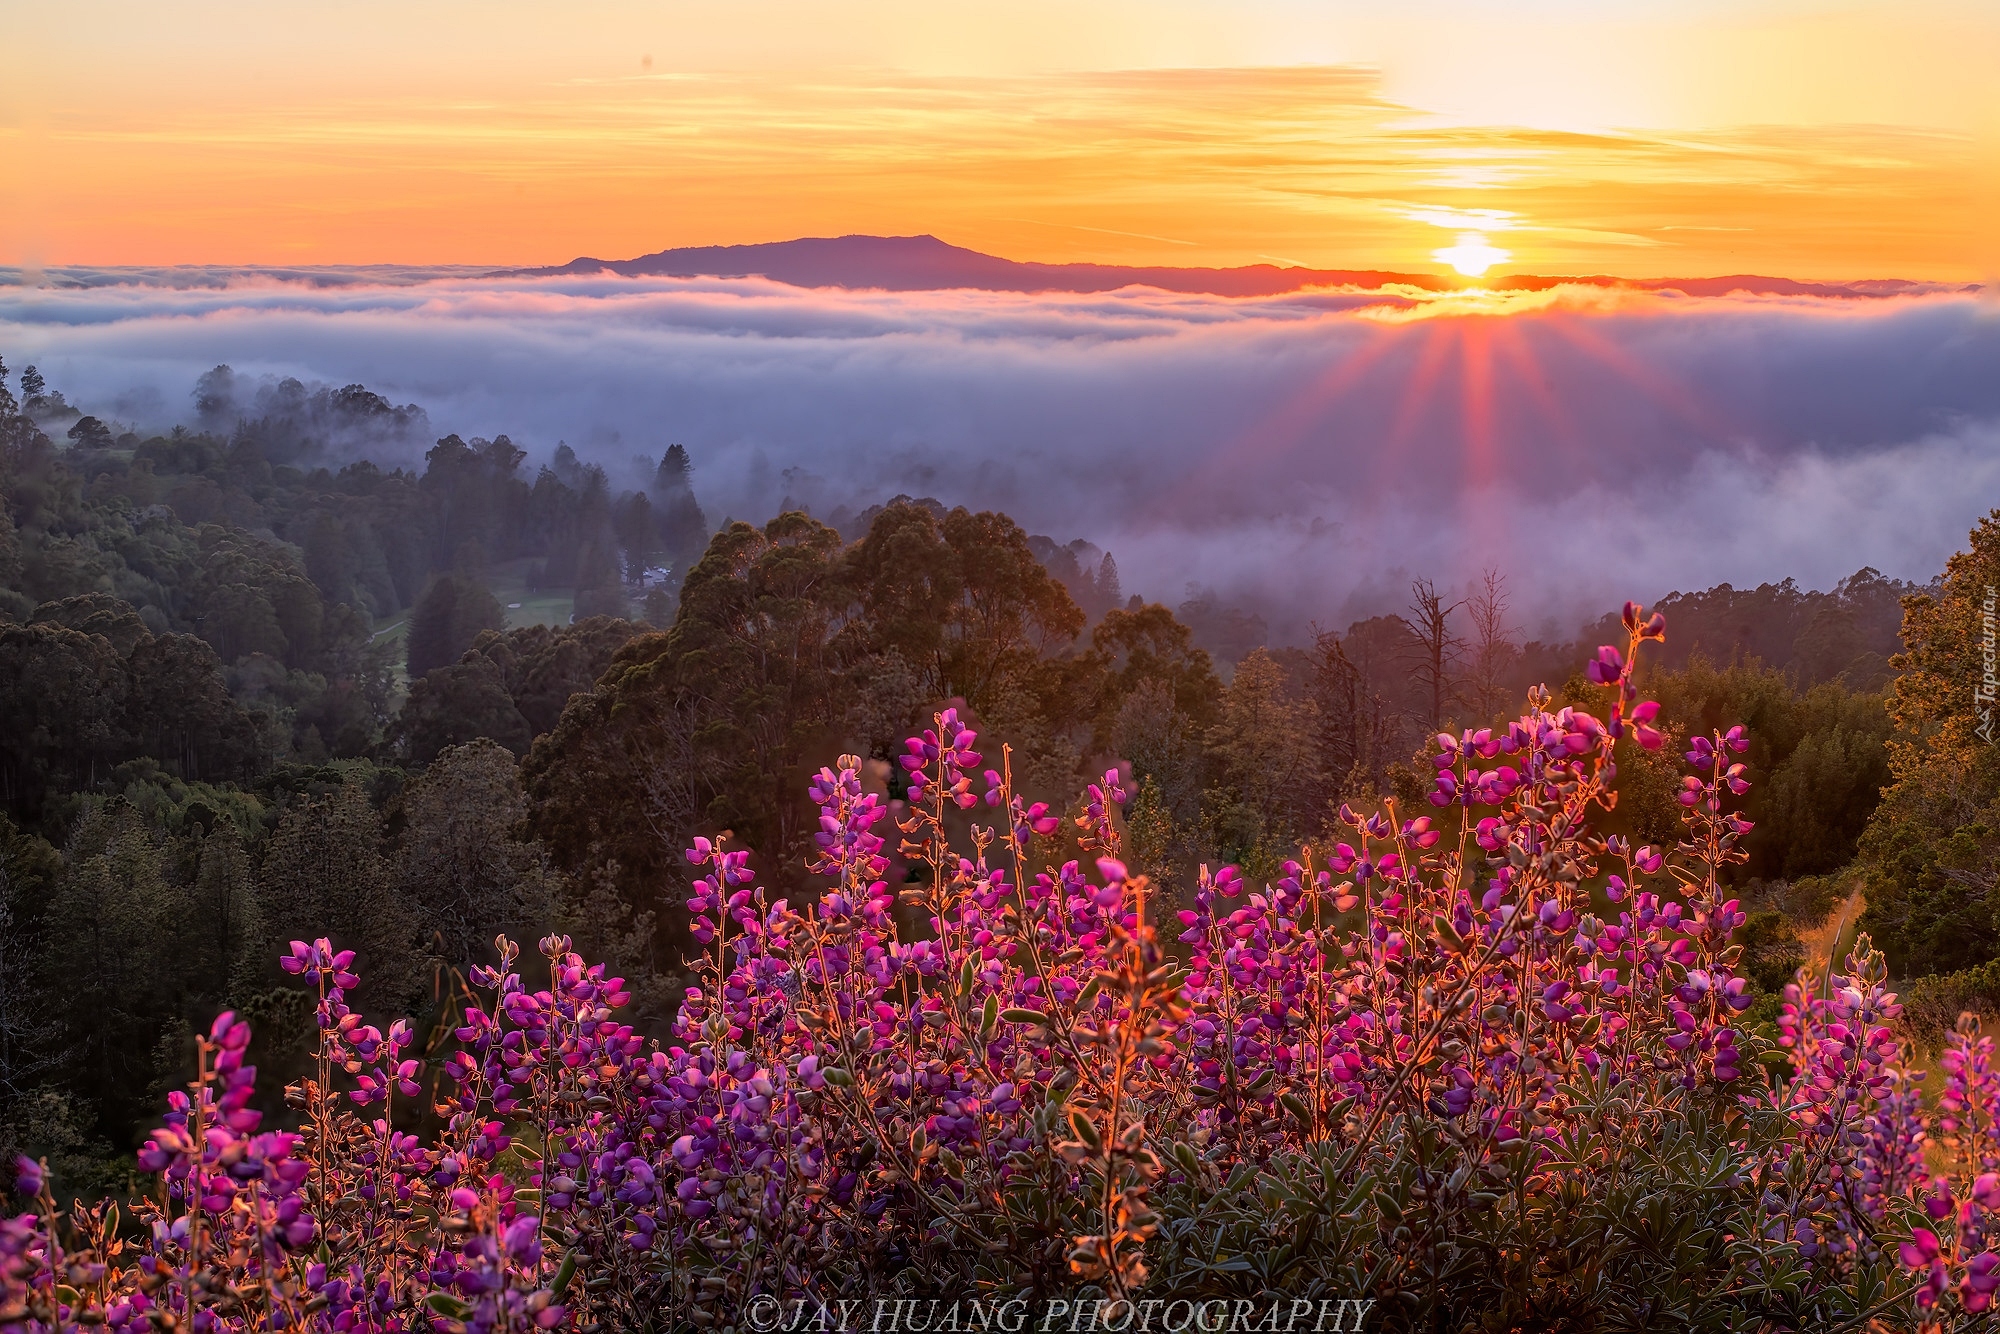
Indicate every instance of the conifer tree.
{"type": "Point", "coordinates": [1932, 848]}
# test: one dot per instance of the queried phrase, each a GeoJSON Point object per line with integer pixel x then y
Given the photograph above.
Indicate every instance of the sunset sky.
{"type": "Point", "coordinates": [1626, 137]}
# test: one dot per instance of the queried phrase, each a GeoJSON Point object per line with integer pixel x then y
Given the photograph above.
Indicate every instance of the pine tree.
{"type": "Point", "coordinates": [1265, 740]}
{"type": "Point", "coordinates": [675, 473]}
{"type": "Point", "coordinates": [683, 529]}
{"type": "Point", "coordinates": [1108, 591]}
{"type": "Point", "coordinates": [637, 534]}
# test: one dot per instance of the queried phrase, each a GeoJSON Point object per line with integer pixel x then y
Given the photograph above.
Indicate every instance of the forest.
{"type": "Point", "coordinates": [281, 724]}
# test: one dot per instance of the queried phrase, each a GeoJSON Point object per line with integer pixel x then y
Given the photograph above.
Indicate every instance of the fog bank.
{"type": "Point", "coordinates": [1307, 452]}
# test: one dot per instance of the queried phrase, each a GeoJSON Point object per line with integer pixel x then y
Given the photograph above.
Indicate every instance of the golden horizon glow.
{"type": "Point", "coordinates": [1648, 139]}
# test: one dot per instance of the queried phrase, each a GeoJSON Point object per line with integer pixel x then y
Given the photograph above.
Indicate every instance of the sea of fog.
{"type": "Point", "coordinates": [1309, 453]}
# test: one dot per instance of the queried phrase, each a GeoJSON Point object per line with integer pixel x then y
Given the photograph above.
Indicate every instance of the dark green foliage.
{"type": "Point", "coordinates": [476, 492]}
{"type": "Point", "coordinates": [78, 707]}
{"type": "Point", "coordinates": [787, 647]}
{"type": "Point", "coordinates": [188, 646]}
{"type": "Point", "coordinates": [1771, 950]}
{"type": "Point", "coordinates": [637, 534]}
{"type": "Point", "coordinates": [1932, 1004]}
{"type": "Point", "coordinates": [1846, 635]}
{"type": "Point", "coordinates": [543, 665]}
{"type": "Point", "coordinates": [1820, 757]}
{"type": "Point", "coordinates": [90, 433]}
{"type": "Point", "coordinates": [116, 902]}
{"type": "Point", "coordinates": [606, 601]}
{"type": "Point", "coordinates": [1146, 645]}
{"type": "Point", "coordinates": [1272, 776]}
{"type": "Point", "coordinates": [453, 705]}
{"type": "Point", "coordinates": [324, 873]}
{"type": "Point", "coordinates": [1819, 797]}
{"type": "Point", "coordinates": [710, 720]}
{"type": "Point", "coordinates": [682, 527]}
{"type": "Point", "coordinates": [462, 864]}
{"type": "Point", "coordinates": [140, 934]}
{"type": "Point", "coordinates": [30, 1029]}
{"type": "Point", "coordinates": [962, 600]}
{"type": "Point", "coordinates": [1635, 1228]}
{"type": "Point", "coordinates": [1810, 900]}
{"type": "Point", "coordinates": [96, 614]}
{"type": "Point", "coordinates": [65, 695]}
{"type": "Point", "coordinates": [1932, 849]}
{"type": "Point", "coordinates": [452, 613]}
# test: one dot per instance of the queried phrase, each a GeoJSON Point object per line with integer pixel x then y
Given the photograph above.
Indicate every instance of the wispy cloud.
{"type": "Point", "coordinates": [1187, 166]}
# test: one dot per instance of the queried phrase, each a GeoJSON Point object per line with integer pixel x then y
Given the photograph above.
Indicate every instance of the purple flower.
{"type": "Point", "coordinates": [27, 1177]}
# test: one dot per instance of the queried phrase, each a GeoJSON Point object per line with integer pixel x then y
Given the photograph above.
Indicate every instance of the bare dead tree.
{"type": "Point", "coordinates": [1492, 643]}
{"type": "Point", "coordinates": [1435, 650]}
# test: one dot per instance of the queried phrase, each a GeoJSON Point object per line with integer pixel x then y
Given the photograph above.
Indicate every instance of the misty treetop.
{"type": "Point", "coordinates": [301, 571]}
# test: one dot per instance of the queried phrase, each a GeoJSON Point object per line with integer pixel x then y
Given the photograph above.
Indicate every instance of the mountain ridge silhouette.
{"type": "Point", "coordinates": [927, 263]}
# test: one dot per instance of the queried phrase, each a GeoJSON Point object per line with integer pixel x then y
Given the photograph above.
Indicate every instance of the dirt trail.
{"type": "Point", "coordinates": [1830, 941]}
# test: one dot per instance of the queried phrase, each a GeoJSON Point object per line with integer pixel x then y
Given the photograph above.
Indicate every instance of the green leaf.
{"type": "Point", "coordinates": [838, 1077]}
{"type": "Point", "coordinates": [564, 1274]}
{"type": "Point", "coordinates": [448, 1306]}
{"type": "Point", "coordinates": [1019, 1016]}
{"type": "Point", "coordinates": [989, 1015]}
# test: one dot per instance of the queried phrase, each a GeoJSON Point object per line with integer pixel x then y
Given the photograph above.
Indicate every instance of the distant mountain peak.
{"type": "Point", "coordinates": [929, 263]}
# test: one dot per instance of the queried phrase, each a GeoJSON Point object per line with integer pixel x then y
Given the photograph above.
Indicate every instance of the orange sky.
{"type": "Point", "coordinates": [1627, 137]}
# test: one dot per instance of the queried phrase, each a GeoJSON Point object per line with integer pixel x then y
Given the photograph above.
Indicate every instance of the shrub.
{"type": "Point", "coordinates": [1480, 1066]}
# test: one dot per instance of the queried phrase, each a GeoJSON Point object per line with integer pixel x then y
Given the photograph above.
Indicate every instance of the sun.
{"type": "Point", "coordinates": [1472, 255]}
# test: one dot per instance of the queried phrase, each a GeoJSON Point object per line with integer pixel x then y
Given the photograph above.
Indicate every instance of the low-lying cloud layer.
{"type": "Point", "coordinates": [1311, 451]}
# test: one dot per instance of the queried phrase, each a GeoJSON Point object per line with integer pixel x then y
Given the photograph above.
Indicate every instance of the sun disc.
{"type": "Point", "coordinates": [1472, 255]}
